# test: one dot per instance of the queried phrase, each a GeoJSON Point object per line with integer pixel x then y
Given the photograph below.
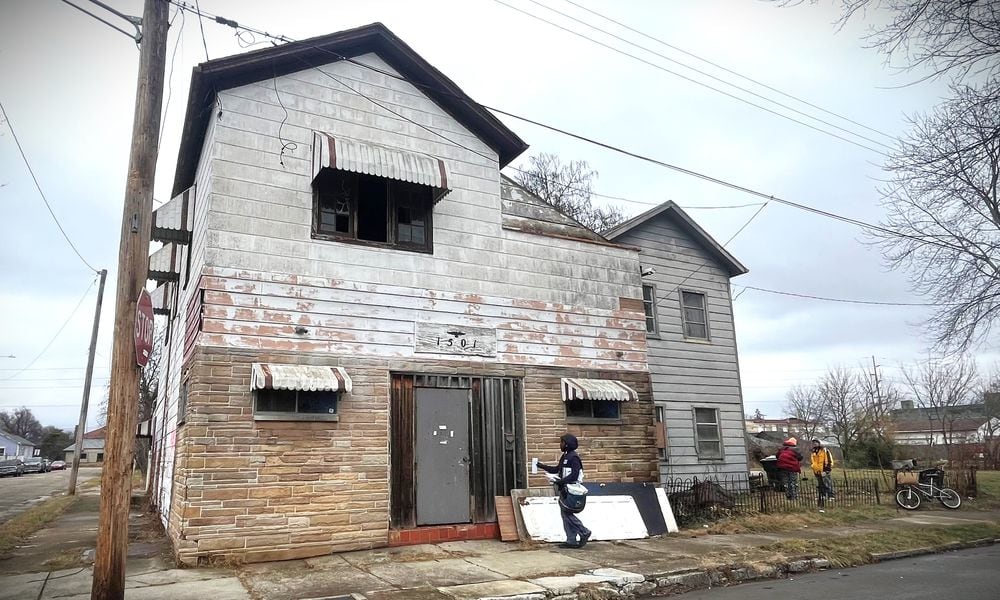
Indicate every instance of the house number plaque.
{"type": "Point", "coordinates": [454, 339]}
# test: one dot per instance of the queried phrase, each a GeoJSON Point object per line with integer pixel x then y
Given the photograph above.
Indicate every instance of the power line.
{"type": "Point", "coordinates": [933, 241]}
{"type": "Point", "coordinates": [727, 70]}
{"type": "Point", "coordinates": [63, 326]}
{"type": "Point", "coordinates": [24, 157]}
{"type": "Point", "coordinates": [135, 37]}
{"type": "Point", "coordinates": [695, 81]}
{"type": "Point", "coordinates": [201, 26]}
{"type": "Point", "coordinates": [846, 300]}
{"type": "Point", "coordinates": [670, 294]}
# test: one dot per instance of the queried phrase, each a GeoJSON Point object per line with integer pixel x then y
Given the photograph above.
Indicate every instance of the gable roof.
{"type": "Point", "coordinates": [688, 225]}
{"type": "Point", "coordinates": [926, 425]}
{"type": "Point", "coordinates": [87, 445]}
{"type": "Point", "coordinates": [97, 434]}
{"type": "Point", "coordinates": [224, 73]}
{"type": "Point", "coordinates": [16, 438]}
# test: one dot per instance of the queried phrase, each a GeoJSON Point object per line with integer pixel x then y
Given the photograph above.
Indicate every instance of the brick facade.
{"type": "Point", "coordinates": [270, 490]}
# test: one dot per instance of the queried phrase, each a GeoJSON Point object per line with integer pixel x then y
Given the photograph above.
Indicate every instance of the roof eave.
{"type": "Point", "coordinates": [733, 266]}
{"type": "Point", "coordinates": [210, 77]}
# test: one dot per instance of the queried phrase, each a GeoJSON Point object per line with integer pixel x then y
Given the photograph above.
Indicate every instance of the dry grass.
{"type": "Point", "coordinates": [857, 549]}
{"type": "Point", "coordinates": [17, 529]}
{"type": "Point", "coordinates": [797, 520]}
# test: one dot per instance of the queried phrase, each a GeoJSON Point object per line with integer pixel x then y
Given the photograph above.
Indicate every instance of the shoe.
{"type": "Point", "coordinates": [571, 546]}
{"type": "Point", "coordinates": [584, 539]}
{"type": "Point", "coordinates": [822, 511]}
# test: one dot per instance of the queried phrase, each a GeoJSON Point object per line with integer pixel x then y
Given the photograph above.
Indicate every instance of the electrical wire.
{"type": "Point", "coordinates": [692, 80]}
{"type": "Point", "coordinates": [135, 37]}
{"type": "Point", "coordinates": [846, 300]}
{"type": "Point", "coordinates": [670, 294]}
{"type": "Point", "coordinates": [38, 187]}
{"type": "Point", "coordinates": [286, 145]}
{"type": "Point", "coordinates": [727, 70]}
{"type": "Point", "coordinates": [54, 337]}
{"type": "Point", "coordinates": [607, 146]}
{"type": "Point", "coordinates": [709, 75]}
{"type": "Point", "coordinates": [201, 26]}
{"type": "Point", "coordinates": [170, 75]}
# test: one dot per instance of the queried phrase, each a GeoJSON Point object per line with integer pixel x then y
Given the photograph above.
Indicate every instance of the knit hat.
{"type": "Point", "coordinates": [791, 442]}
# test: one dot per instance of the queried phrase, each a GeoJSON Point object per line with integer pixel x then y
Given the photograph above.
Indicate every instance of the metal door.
{"type": "Point", "coordinates": [442, 455]}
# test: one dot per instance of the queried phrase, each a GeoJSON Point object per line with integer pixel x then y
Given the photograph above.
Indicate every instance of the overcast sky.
{"type": "Point", "coordinates": [68, 84]}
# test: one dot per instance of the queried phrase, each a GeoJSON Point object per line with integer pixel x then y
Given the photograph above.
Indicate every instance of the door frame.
{"type": "Point", "coordinates": [485, 480]}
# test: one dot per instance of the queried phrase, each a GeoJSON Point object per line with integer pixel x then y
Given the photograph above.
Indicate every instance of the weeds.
{"type": "Point", "coordinates": [17, 529]}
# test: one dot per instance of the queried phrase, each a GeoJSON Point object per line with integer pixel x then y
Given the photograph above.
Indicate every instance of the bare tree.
{"type": "Point", "coordinates": [804, 403]}
{"type": "Point", "coordinates": [880, 397]}
{"type": "Point", "coordinates": [942, 387]}
{"type": "Point", "coordinates": [567, 187]}
{"type": "Point", "coordinates": [840, 394]}
{"type": "Point", "coordinates": [21, 422]}
{"type": "Point", "coordinates": [941, 195]}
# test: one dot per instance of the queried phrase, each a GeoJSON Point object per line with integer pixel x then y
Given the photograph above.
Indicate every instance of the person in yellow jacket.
{"type": "Point", "coordinates": [822, 466]}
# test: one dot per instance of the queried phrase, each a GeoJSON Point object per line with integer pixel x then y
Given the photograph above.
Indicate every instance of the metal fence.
{"type": "Point", "coordinates": [697, 499]}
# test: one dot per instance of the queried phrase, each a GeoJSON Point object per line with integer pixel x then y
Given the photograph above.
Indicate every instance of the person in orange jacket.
{"type": "Point", "coordinates": [790, 466]}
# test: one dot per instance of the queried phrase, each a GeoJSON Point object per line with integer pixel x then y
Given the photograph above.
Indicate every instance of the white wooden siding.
{"type": "Point", "coordinates": [552, 301]}
{"type": "Point", "coordinates": [686, 374]}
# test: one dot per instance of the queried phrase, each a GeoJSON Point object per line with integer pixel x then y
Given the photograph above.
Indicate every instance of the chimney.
{"type": "Point", "coordinates": [906, 404]}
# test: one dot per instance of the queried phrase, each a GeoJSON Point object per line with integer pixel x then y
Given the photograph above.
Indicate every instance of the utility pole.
{"type": "Point", "coordinates": [88, 377]}
{"type": "Point", "coordinates": [133, 265]}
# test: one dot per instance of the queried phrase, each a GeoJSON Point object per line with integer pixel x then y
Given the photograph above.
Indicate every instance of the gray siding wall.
{"type": "Point", "coordinates": [685, 373]}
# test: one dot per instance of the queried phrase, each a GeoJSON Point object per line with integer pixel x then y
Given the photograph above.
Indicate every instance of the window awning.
{"type": "Point", "coordinates": [597, 389]}
{"type": "Point", "coordinates": [270, 376]}
{"type": "Point", "coordinates": [369, 159]}
{"type": "Point", "coordinates": [174, 221]}
{"type": "Point", "coordinates": [164, 264]}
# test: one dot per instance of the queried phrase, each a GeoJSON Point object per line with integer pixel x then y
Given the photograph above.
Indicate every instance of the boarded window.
{"type": "Point", "coordinates": [649, 307]}
{"type": "Point", "coordinates": [295, 405]}
{"type": "Point", "coordinates": [707, 433]}
{"type": "Point", "coordinates": [661, 431]}
{"type": "Point", "coordinates": [373, 210]}
{"type": "Point", "coordinates": [694, 313]}
{"type": "Point", "coordinates": [593, 409]}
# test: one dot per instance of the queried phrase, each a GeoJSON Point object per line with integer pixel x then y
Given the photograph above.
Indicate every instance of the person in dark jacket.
{"type": "Point", "coordinates": [569, 470]}
{"type": "Point", "coordinates": [790, 467]}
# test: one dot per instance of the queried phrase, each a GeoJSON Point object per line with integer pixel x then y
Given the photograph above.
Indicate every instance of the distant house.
{"type": "Point", "coordinates": [93, 448]}
{"type": "Point", "coordinates": [15, 445]}
{"type": "Point", "coordinates": [790, 425]}
{"type": "Point", "coordinates": [962, 430]}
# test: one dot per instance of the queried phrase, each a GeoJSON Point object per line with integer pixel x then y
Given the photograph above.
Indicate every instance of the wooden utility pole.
{"type": "Point", "coordinates": [88, 377]}
{"type": "Point", "coordinates": [133, 265]}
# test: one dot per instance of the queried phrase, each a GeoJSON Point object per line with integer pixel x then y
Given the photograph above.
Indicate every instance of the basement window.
{"type": "Point", "coordinates": [371, 210]}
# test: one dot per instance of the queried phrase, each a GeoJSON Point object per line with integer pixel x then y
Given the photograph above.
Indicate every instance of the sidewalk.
{"type": "Point", "coordinates": [493, 569]}
{"type": "Point", "coordinates": [447, 571]}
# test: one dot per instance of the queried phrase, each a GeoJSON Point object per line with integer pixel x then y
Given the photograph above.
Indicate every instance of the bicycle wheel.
{"type": "Point", "coordinates": [908, 499]}
{"type": "Point", "coordinates": [950, 498]}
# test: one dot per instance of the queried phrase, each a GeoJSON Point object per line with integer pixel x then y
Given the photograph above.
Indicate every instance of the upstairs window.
{"type": "Point", "coordinates": [694, 313]}
{"type": "Point", "coordinates": [649, 307]}
{"type": "Point", "coordinates": [366, 209]}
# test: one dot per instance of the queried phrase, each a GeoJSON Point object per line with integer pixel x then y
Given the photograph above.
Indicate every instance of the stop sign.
{"type": "Point", "coordinates": [143, 328]}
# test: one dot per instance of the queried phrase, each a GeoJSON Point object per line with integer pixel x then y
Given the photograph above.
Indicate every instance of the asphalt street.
{"type": "Point", "coordinates": [15, 492]}
{"type": "Point", "coordinates": [965, 574]}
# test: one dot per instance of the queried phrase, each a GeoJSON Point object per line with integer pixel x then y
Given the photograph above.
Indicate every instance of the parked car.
{"type": "Point", "coordinates": [57, 465]}
{"type": "Point", "coordinates": [12, 466]}
{"type": "Point", "coordinates": [34, 465]}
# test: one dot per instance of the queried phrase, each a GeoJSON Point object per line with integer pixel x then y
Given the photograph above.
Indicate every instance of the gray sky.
{"type": "Point", "coordinates": [68, 84]}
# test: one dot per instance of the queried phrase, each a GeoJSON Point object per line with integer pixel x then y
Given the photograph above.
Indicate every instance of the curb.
{"type": "Point", "coordinates": [630, 586]}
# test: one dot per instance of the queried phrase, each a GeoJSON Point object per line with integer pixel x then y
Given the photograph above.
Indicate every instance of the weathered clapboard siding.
{"type": "Point", "coordinates": [687, 374]}
{"type": "Point", "coordinates": [552, 301]}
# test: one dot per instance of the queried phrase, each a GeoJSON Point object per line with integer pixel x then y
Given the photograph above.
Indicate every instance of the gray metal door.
{"type": "Point", "coordinates": [442, 456]}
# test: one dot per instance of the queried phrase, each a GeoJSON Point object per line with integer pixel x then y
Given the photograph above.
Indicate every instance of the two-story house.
{"type": "Point", "coordinates": [369, 334]}
{"type": "Point", "coordinates": [692, 342]}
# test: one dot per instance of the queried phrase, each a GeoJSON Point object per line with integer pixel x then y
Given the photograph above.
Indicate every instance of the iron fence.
{"type": "Point", "coordinates": [700, 499]}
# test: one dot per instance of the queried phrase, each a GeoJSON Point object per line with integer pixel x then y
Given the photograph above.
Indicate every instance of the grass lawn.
{"type": "Point", "coordinates": [789, 521]}
{"type": "Point", "coordinates": [28, 522]}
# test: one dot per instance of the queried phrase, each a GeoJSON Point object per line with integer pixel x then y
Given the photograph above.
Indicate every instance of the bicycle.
{"type": "Point", "coordinates": [909, 496]}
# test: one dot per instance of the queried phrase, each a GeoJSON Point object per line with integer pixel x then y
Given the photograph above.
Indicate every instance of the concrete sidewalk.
{"type": "Point", "coordinates": [493, 569]}
{"type": "Point", "coordinates": [448, 571]}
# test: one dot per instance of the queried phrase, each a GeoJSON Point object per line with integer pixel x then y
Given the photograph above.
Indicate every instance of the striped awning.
{"type": "Point", "coordinates": [596, 389]}
{"type": "Point", "coordinates": [307, 378]}
{"type": "Point", "coordinates": [174, 221]}
{"type": "Point", "coordinates": [165, 263]}
{"type": "Point", "coordinates": [391, 163]}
